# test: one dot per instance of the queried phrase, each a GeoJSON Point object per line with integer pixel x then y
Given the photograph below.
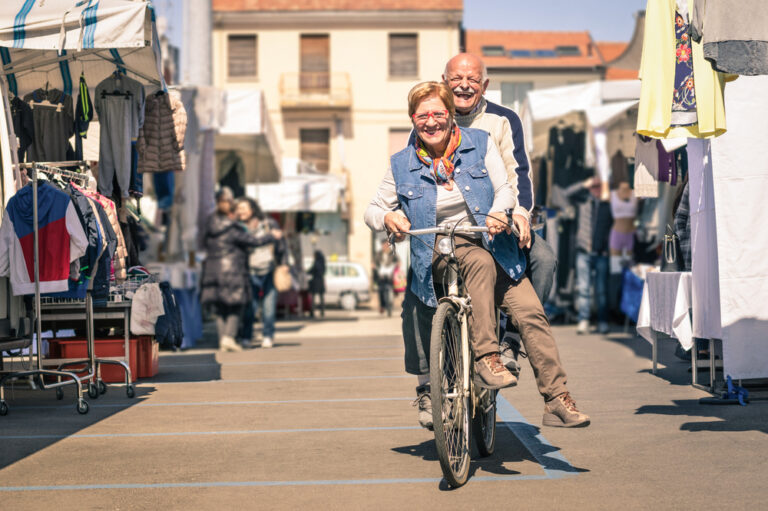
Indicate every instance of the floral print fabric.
{"type": "Point", "coordinates": [684, 95]}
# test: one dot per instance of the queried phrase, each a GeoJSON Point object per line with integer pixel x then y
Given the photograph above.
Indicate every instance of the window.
{"type": "Point", "coordinates": [545, 53]}
{"type": "Point", "coordinates": [513, 93]}
{"type": "Point", "coordinates": [403, 55]}
{"type": "Point", "coordinates": [568, 51]}
{"type": "Point", "coordinates": [493, 51]}
{"type": "Point", "coordinates": [520, 54]}
{"type": "Point", "coordinates": [315, 147]}
{"type": "Point", "coordinates": [351, 271]}
{"type": "Point", "coordinates": [315, 63]}
{"type": "Point", "coordinates": [241, 56]}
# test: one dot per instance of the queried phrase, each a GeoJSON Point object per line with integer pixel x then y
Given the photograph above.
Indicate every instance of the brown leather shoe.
{"type": "Point", "coordinates": [561, 412]}
{"type": "Point", "coordinates": [490, 373]}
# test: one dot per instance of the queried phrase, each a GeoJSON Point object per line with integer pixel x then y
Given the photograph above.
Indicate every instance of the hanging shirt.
{"type": "Point", "coordinates": [646, 167]}
{"type": "Point", "coordinates": [684, 93]}
{"type": "Point", "coordinates": [61, 240]}
{"type": "Point", "coordinates": [54, 125]}
{"type": "Point", "coordinates": [23, 125]}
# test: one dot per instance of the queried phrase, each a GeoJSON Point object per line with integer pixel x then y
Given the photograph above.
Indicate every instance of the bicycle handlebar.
{"type": "Point", "coordinates": [459, 229]}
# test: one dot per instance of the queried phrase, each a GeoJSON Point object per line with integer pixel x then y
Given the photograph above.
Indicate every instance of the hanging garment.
{"type": "Point", "coordinates": [118, 260]}
{"type": "Point", "coordinates": [119, 102]}
{"type": "Point", "coordinates": [161, 140]}
{"type": "Point", "coordinates": [83, 116]}
{"type": "Point", "coordinates": [146, 307]}
{"type": "Point", "coordinates": [23, 126]}
{"type": "Point", "coordinates": [61, 240]}
{"type": "Point", "coordinates": [684, 93]}
{"type": "Point", "coordinates": [53, 125]}
{"type": "Point", "coordinates": [104, 270]}
{"type": "Point", "coordinates": [657, 74]}
{"type": "Point", "coordinates": [621, 208]}
{"type": "Point", "coordinates": [168, 330]}
{"type": "Point", "coordinates": [231, 170]}
{"type": "Point", "coordinates": [667, 171]}
{"type": "Point", "coordinates": [646, 167]}
{"type": "Point", "coordinates": [734, 35]}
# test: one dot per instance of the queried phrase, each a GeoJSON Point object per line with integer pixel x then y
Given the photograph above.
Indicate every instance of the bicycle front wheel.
{"type": "Point", "coordinates": [450, 402]}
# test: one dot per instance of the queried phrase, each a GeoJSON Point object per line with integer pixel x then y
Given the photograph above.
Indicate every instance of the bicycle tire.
{"type": "Point", "coordinates": [450, 415]}
{"type": "Point", "coordinates": [484, 422]}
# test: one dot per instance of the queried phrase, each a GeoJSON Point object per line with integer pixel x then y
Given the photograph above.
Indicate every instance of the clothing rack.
{"type": "Point", "coordinates": [40, 372]}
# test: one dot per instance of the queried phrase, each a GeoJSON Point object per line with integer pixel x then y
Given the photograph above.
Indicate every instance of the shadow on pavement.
{"type": "Point", "coordinates": [671, 368]}
{"type": "Point", "coordinates": [731, 418]}
{"type": "Point", "coordinates": [509, 449]}
{"type": "Point", "coordinates": [187, 368]}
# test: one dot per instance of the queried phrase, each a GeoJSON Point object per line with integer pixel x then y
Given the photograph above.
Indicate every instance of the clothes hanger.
{"type": "Point", "coordinates": [45, 102]}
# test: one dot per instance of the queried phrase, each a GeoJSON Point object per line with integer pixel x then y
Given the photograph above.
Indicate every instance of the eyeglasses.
{"type": "Point", "coordinates": [437, 115]}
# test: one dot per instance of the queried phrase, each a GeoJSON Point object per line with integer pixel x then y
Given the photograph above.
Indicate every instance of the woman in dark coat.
{"type": "Point", "coordinates": [226, 284]}
{"type": "Point", "coordinates": [317, 282]}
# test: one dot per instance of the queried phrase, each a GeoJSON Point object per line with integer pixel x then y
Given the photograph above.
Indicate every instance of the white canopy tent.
{"type": "Point", "coordinates": [318, 193]}
{"type": "Point", "coordinates": [52, 41]}
{"type": "Point", "coordinates": [599, 102]}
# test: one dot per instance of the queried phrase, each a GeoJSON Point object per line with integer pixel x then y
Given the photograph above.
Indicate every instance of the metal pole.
{"type": "Point", "coordinates": [38, 320]}
{"type": "Point", "coordinates": [196, 50]}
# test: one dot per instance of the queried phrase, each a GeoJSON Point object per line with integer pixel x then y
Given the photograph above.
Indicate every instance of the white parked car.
{"type": "Point", "coordinates": [346, 284]}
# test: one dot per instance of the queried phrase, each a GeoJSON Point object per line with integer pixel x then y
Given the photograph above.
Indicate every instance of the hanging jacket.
{"type": "Point", "coordinates": [657, 74]}
{"type": "Point", "coordinates": [61, 240]}
{"type": "Point", "coordinates": [146, 308]}
{"type": "Point", "coordinates": [161, 139]}
{"type": "Point", "coordinates": [168, 330]}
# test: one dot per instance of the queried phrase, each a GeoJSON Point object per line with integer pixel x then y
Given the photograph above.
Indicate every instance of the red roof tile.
{"type": "Point", "coordinates": [611, 50]}
{"type": "Point", "coordinates": [337, 5]}
{"type": "Point", "coordinates": [590, 57]}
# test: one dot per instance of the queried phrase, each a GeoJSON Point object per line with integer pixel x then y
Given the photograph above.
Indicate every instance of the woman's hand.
{"type": "Point", "coordinates": [397, 223]}
{"type": "Point", "coordinates": [276, 233]}
{"type": "Point", "coordinates": [497, 223]}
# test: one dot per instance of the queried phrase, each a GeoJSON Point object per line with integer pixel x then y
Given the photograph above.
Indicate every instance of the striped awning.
{"type": "Point", "coordinates": [54, 41]}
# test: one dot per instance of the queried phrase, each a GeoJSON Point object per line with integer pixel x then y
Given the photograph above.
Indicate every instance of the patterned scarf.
{"type": "Point", "coordinates": [442, 168]}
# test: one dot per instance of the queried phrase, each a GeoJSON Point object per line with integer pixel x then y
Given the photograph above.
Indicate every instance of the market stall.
{"type": "Point", "coordinates": [112, 46]}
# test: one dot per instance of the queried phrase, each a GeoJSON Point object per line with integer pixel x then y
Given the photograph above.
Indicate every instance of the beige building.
{"type": "Point", "coordinates": [335, 76]}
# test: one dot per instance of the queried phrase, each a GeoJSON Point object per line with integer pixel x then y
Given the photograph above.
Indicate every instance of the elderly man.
{"type": "Point", "coordinates": [466, 76]}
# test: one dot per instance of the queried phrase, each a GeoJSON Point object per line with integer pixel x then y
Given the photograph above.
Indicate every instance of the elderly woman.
{"type": "Point", "coordinates": [450, 175]}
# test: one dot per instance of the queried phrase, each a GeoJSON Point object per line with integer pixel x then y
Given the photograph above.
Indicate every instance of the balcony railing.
{"type": "Point", "coordinates": [315, 90]}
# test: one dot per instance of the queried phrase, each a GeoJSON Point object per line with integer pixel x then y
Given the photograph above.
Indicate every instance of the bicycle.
{"type": "Point", "coordinates": [460, 408]}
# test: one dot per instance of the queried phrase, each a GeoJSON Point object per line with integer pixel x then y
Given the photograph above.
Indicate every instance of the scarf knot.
{"type": "Point", "coordinates": [442, 167]}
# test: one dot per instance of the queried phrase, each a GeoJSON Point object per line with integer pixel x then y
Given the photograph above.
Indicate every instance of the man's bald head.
{"type": "Point", "coordinates": [467, 77]}
{"type": "Point", "coordinates": [468, 61]}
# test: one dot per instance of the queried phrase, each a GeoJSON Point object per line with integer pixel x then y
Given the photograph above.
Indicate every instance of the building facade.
{"type": "Point", "coordinates": [336, 77]}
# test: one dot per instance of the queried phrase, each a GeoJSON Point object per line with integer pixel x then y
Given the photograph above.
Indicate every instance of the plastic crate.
{"type": "Point", "coordinates": [149, 357]}
{"type": "Point", "coordinates": [110, 347]}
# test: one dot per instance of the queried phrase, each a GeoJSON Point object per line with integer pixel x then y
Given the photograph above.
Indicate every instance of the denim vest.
{"type": "Point", "coordinates": [417, 194]}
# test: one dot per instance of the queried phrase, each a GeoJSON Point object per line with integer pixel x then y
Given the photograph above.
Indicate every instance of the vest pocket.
{"type": "Point", "coordinates": [409, 191]}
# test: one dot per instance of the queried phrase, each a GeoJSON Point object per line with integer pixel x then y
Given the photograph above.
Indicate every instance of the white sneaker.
{"type": "Point", "coordinates": [227, 343]}
{"type": "Point", "coordinates": [266, 342]}
{"type": "Point", "coordinates": [583, 327]}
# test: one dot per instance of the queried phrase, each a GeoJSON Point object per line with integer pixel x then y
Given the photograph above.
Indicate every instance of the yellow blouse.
{"type": "Point", "coordinates": [657, 72]}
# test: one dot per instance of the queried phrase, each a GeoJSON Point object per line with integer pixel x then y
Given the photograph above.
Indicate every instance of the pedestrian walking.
{"type": "Point", "coordinates": [317, 282]}
{"type": "Point", "coordinates": [262, 262]}
{"type": "Point", "coordinates": [384, 263]}
{"type": "Point", "coordinates": [225, 277]}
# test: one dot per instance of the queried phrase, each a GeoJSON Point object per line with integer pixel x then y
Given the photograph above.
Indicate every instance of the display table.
{"type": "Point", "coordinates": [665, 308]}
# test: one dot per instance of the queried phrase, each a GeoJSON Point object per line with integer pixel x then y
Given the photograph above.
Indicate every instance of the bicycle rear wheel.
{"type": "Point", "coordinates": [450, 402]}
{"type": "Point", "coordinates": [484, 421]}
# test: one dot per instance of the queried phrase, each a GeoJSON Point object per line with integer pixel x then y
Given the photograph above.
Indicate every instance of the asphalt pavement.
{"type": "Point", "coordinates": [324, 419]}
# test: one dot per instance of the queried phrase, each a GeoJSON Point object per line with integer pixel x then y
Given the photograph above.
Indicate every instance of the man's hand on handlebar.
{"type": "Point", "coordinates": [396, 223]}
{"type": "Point", "coordinates": [497, 223]}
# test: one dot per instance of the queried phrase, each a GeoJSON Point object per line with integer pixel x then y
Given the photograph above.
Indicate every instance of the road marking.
{"type": "Point", "coordinates": [266, 380]}
{"type": "Point", "coordinates": [548, 456]}
{"type": "Point", "coordinates": [208, 433]}
{"type": "Point", "coordinates": [231, 484]}
{"type": "Point", "coordinates": [282, 362]}
{"type": "Point", "coordinates": [215, 403]}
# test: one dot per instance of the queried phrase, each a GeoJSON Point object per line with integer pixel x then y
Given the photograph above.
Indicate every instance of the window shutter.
{"type": "Point", "coordinates": [241, 54]}
{"type": "Point", "coordinates": [403, 55]}
{"type": "Point", "coordinates": [315, 63]}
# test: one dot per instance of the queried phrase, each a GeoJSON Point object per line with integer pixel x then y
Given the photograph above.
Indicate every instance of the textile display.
{"type": "Point", "coordinates": [646, 167]}
{"type": "Point", "coordinates": [665, 307]}
{"type": "Point", "coordinates": [663, 50]}
{"type": "Point", "coordinates": [704, 233]}
{"type": "Point", "coordinates": [146, 307]}
{"type": "Point", "coordinates": [53, 118]}
{"type": "Point", "coordinates": [740, 178]}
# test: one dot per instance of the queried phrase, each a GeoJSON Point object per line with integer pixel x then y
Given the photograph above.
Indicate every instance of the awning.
{"type": "Point", "coordinates": [305, 192]}
{"type": "Point", "coordinates": [54, 41]}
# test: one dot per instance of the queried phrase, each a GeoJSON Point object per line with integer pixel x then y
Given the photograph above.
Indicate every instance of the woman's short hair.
{"type": "Point", "coordinates": [255, 209]}
{"type": "Point", "coordinates": [224, 195]}
{"type": "Point", "coordinates": [425, 90]}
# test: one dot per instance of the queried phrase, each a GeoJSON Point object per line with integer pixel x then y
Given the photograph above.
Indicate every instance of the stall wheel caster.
{"type": "Point", "coordinates": [82, 407]}
{"type": "Point", "coordinates": [93, 391]}
{"type": "Point", "coordinates": [130, 390]}
{"type": "Point", "coordinates": [59, 393]}
{"type": "Point", "coordinates": [102, 387]}
{"type": "Point", "coordinates": [3, 408]}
